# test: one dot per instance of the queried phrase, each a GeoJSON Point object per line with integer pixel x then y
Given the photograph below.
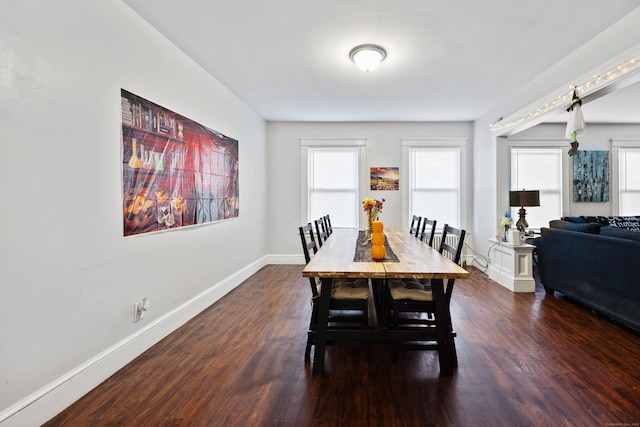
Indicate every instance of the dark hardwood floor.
{"type": "Point", "coordinates": [524, 359]}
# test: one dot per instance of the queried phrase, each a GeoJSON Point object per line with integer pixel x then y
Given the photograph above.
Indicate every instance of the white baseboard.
{"type": "Point", "coordinates": [505, 278]}
{"type": "Point", "coordinates": [50, 400]}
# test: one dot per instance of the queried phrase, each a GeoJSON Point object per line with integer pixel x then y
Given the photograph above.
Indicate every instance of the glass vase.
{"type": "Point", "coordinates": [370, 219]}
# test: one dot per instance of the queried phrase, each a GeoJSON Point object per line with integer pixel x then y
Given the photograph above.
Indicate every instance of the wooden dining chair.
{"type": "Point", "coordinates": [416, 299]}
{"type": "Point", "coordinates": [427, 234]}
{"type": "Point", "coordinates": [327, 224]}
{"type": "Point", "coordinates": [415, 225]}
{"type": "Point", "coordinates": [349, 297]}
{"type": "Point", "coordinates": [321, 231]}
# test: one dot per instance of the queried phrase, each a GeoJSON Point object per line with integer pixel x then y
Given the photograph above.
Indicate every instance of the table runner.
{"type": "Point", "coordinates": [363, 252]}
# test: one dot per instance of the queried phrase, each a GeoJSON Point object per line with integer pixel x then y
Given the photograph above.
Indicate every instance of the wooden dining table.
{"type": "Point", "coordinates": [415, 260]}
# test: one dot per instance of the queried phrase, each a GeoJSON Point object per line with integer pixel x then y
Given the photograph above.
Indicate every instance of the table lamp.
{"type": "Point", "coordinates": [524, 198]}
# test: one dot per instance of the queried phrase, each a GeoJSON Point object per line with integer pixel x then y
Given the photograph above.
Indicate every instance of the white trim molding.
{"type": "Point", "coordinates": [465, 174]}
{"type": "Point", "coordinates": [622, 70]}
{"type": "Point", "coordinates": [614, 178]}
{"type": "Point", "coordinates": [332, 142]}
{"type": "Point", "coordinates": [567, 165]}
{"type": "Point", "coordinates": [305, 143]}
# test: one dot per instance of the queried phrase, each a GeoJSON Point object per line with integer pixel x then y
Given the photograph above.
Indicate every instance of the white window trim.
{"type": "Point", "coordinates": [305, 143]}
{"type": "Point", "coordinates": [567, 165]}
{"type": "Point", "coordinates": [614, 178]}
{"type": "Point", "coordinates": [463, 144]}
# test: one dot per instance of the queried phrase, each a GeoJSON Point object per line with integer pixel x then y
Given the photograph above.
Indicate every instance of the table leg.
{"type": "Point", "coordinates": [324, 302]}
{"type": "Point", "coordinates": [446, 350]}
{"type": "Point", "coordinates": [380, 297]}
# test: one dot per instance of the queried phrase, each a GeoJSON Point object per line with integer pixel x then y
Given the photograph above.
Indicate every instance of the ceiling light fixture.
{"type": "Point", "coordinates": [367, 57]}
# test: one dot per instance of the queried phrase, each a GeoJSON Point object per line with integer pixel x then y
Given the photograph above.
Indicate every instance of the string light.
{"type": "Point", "coordinates": [596, 81]}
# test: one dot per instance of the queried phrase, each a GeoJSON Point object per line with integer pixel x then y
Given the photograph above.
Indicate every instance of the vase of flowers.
{"type": "Point", "coordinates": [506, 223]}
{"type": "Point", "coordinates": [373, 208]}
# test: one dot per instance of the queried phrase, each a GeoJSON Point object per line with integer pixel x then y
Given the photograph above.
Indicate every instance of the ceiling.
{"type": "Point", "coordinates": [446, 60]}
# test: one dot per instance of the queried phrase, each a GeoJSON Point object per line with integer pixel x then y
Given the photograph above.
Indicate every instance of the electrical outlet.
{"type": "Point", "coordinates": [138, 313]}
{"type": "Point", "coordinates": [139, 309]}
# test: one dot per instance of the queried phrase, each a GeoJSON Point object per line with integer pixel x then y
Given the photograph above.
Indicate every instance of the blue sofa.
{"type": "Point", "coordinates": [594, 263]}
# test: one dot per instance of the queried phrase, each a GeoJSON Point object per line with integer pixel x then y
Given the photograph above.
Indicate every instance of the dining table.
{"type": "Point", "coordinates": [407, 258]}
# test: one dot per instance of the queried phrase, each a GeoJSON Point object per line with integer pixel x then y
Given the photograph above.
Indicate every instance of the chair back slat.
{"type": "Point", "coordinates": [321, 231]}
{"type": "Point", "coordinates": [308, 241]}
{"type": "Point", "coordinates": [327, 224]}
{"type": "Point", "coordinates": [415, 225]}
{"type": "Point", "coordinates": [429, 232]}
{"type": "Point", "coordinates": [309, 245]}
{"type": "Point", "coordinates": [451, 250]}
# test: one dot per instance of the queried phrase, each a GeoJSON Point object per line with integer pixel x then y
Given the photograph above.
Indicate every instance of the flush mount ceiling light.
{"type": "Point", "coordinates": [367, 57]}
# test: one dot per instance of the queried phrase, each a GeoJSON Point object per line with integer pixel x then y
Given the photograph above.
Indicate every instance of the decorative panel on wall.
{"type": "Point", "coordinates": [591, 176]}
{"type": "Point", "coordinates": [175, 171]}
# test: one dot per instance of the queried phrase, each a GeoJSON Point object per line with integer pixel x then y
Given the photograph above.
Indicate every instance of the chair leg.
{"type": "Point", "coordinates": [307, 351]}
{"type": "Point", "coordinates": [393, 319]}
{"type": "Point", "coordinates": [311, 333]}
{"type": "Point", "coordinates": [455, 353]}
{"type": "Point", "coordinates": [365, 313]}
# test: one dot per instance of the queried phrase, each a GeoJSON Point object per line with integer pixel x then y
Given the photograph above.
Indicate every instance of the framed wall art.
{"type": "Point", "coordinates": [591, 176]}
{"type": "Point", "coordinates": [385, 178]}
{"type": "Point", "coordinates": [175, 171]}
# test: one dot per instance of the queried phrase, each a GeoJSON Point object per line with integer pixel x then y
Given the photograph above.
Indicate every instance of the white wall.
{"type": "Point", "coordinates": [68, 277]}
{"type": "Point", "coordinates": [383, 148]}
{"type": "Point", "coordinates": [490, 195]}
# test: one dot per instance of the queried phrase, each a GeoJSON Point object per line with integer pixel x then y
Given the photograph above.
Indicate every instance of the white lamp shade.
{"type": "Point", "coordinates": [367, 57]}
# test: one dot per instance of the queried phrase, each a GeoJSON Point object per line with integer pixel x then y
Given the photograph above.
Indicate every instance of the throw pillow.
{"type": "Point", "coordinates": [628, 222]}
{"type": "Point", "coordinates": [599, 219]}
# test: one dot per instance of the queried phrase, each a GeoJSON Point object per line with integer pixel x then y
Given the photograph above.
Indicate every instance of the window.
{"type": "Point", "coordinates": [538, 169]}
{"type": "Point", "coordinates": [626, 158]}
{"type": "Point", "coordinates": [332, 181]}
{"type": "Point", "coordinates": [437, 180]}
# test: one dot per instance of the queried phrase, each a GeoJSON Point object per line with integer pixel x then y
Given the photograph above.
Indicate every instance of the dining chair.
{"type": "Point", "coordinates": [321, 231]}
{"type": "Point", "coordinates": [416, 299]}
{"type": "Point", "coordinates": [427, 234]}
{"type": "Point", "coordinates": [415, 225]}
{"type": "Point", "coordinates": [349, 297]}
{"type": "Point", "coordinates": [327, 224]}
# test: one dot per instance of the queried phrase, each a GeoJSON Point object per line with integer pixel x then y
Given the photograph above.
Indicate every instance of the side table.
{"type": "Point", "coordinates": [512, 266]}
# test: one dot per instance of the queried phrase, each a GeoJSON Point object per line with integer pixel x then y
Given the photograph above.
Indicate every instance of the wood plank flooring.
{"type": "Point", "coordinates": [524, 359]}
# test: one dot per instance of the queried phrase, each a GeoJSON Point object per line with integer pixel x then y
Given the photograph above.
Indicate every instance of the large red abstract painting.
{"type": "Point", "coordinates": [175, 171]}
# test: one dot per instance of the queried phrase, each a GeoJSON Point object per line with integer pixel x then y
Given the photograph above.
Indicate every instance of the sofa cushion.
{"type": "Point", "coordinates": [589, 227]}
{"type": "Point", "coordinates": [620, 233]}
{"type": "Point", "coordinates": [628, 222]}
{"type": "Point", "coordinates": [576, 219]}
